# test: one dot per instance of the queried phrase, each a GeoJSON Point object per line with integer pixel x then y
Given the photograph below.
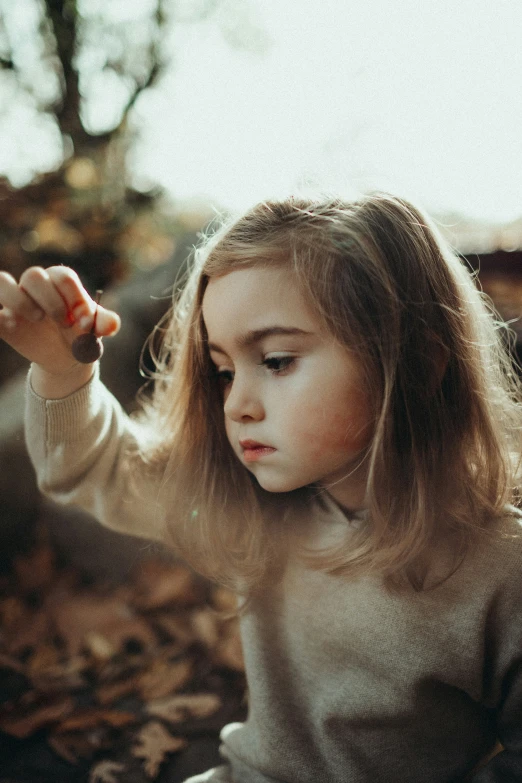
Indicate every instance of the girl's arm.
{"type": "Point", "coordinates": [41, 316]}
{"type": "Point", "coordinates": [82, 444]}
{"type": "Point", "coordinates": [503, 675]}
{"type": "Point", "coordinates": [507, 763]}
{"type": "Point", "coordinates": [85, 450]}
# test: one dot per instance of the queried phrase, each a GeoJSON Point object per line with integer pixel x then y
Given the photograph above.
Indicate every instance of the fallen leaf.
{"type": "Point", "coordinates": [24, 723]}
{"type": "Point", "coordinates": [121, 667]}
{"type": "Point", "coordinates": [44, 658]}
{"type": "Point", "coordinates": [99, 647]}
{"type": "Point", "coordinates": [164, 678]}
{"type": "Point", "coordinates": [90, 718]}
{"type": "Point", "coordinates": [65, 675]}
{"type": "Point", "coordinates": [108, 694]}
{"type": "Point", "coordinates": [155, 743]}
{"type": "Point", "coordinates": [178, 628]}
{"type": "Point", "coordinates": [103, 772]}
{"type": "Point", "coordinates": [74, 746]}
{"type": "Point", "coordinates": [185, 705]}
{"type": "Point", "coordinates": [12, 663]}
{"type": "Point", "coordinates": [81, 615]}
{"type": "Point", "coordinates": [62, 749]}
{"type": "Point", "coordinates": [93, 645]}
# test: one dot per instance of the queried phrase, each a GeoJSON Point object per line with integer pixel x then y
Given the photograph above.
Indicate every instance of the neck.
{"type": "Point", "coordinates": [349, 511]}
{"type": "Point", "coordinates": [350, 499]}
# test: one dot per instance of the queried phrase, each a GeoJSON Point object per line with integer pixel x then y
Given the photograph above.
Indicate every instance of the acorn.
{"type": "Point", "coordinates": [87, 348]}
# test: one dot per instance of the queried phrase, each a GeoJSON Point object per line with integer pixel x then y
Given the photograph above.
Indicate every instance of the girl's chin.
{"type": "Point", "coordinates": [279, 485]}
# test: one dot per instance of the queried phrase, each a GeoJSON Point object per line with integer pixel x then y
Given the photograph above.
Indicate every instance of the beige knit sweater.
{"type": "Point", "coordinates": [348, 683]}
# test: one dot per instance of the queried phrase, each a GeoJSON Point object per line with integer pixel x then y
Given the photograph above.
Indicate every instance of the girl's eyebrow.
{"type": "Point", "coordinates": [256, 335]}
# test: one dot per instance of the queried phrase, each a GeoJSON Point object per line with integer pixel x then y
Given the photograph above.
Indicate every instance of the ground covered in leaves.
{"type": "Point", "coordinates": [130, 683]}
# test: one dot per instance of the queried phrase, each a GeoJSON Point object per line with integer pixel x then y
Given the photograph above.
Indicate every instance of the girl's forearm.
{"type": "Point", "coordinates": [55, 387]}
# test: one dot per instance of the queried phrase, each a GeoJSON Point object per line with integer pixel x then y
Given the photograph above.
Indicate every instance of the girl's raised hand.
{"type": "Point", "coordinates": [44, 312]}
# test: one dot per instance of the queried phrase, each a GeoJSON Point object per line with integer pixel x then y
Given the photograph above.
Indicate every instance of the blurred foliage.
{"type": "Point", "coordinates": [84, 64]}
{"type": "Point", "coordinates": [80, 66]}
{"type": "Point", "coordinates": [62, 218]}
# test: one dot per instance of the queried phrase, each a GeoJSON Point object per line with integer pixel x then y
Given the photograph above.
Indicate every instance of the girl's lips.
{"type": "Point", "coordinates": [252, 450]}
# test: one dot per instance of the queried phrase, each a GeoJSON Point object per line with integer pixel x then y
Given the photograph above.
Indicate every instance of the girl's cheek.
{"type": "Point", "coordinates": [337, 432]}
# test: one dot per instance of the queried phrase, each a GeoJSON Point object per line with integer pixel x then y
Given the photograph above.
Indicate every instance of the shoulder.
{"type": "Point", "coordinates": [505, 541]}
{"type": "Point", "coordinates": [497, 560]}
{"type": "Point", "coordinates": [502, 572]}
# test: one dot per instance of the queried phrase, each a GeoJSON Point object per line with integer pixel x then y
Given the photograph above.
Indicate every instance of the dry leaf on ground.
{"type": "Point", "coordinates": [65, 676]}
{"type": "Point", "coordinates": [112, 691]}
{"type": "Point", "coordinates": [80, 616]}
{"type": "Point", "coordinates": [90, 718]}
{"type": "Point", "coordinates": [9, 662]}
{"type": "Point", "coordinates": [185, 705]}
{"type": "Point", "coordinates": [44, 658]}
{"type": "Point", "coordinates": [155, 743]}
{"type": "Point", "coordinates": [73, 746]}
{"type": "Point", "coordinates": [104, 772]}
{"type": "Point", "coordinates": [74, 643]}
{"type": "Point", "coordinates": [24, 723]}
{"type": "Point", "coordinates": [164, 678]}
{"type": "Point", "coordinates": [177, 627]}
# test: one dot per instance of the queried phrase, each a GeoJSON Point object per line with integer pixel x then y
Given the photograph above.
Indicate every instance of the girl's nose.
{"type": "Point", "coordinates": [243, 402]}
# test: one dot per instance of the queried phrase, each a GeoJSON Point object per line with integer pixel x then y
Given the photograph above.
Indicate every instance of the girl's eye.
{"type": "Point", "coordinates": [278, 364]}
{"type": "Point", "coordinates": [225, 376]}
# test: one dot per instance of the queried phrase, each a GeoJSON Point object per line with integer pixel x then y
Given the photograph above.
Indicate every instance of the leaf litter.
{"type": "Point", "coordinates": [108, 673]}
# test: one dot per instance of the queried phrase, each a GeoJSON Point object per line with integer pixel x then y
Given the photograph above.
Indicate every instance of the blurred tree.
{"type": "Point", "coordinates": [70, 73]}
{"type": "Point", "coordinates": [81, 66]}
{"type": "Point", "coordinates": [72, 70]}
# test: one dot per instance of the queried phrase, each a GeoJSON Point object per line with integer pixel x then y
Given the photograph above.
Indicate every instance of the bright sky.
{"type": "Point", "coordinates": [418, 96]}
{"type": "Point", "coordinates": [421, 97]}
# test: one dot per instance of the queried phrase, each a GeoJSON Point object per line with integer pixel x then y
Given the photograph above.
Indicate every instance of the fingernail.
{"type": "Point", "coordinates": [70, 320]}
{"type": "Point", "coordinates": [85, 322]}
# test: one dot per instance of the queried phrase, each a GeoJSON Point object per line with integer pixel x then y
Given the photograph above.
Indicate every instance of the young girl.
{"type": "Point", "coordinates": [334, 433]}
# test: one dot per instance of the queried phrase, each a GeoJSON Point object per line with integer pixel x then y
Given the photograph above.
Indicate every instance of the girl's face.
{"type": "Point", "coordinates": [295, 409]}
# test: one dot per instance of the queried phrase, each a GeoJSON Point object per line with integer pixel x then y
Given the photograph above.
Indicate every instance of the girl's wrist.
{"type": "Point", "coordinates": [55, 386]}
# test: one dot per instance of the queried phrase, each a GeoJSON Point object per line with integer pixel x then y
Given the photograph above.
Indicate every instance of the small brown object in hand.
{"type": "Point", "coordinates": [87, 348]}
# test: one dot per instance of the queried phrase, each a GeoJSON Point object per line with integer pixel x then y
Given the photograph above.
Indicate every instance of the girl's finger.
{"type": "Point", "coordinates": [7, 321]}
{"type": "Point", "coordinates": [69, 285]}
{"type": "Point", "coordinates": [107, 322]}
{"type": "Point", "coordinates": [16, 300]}
{"type": "Point", "coordinates": [36, 283]}
{"type": "Point", "coordinates": [81, 308]}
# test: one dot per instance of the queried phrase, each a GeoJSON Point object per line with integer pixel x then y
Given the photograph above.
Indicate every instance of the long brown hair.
{"type": "Point", "coordinates": [445, 396]}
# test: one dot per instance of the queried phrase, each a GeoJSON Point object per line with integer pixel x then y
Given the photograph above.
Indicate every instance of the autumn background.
{"type": "Point", "coordinates": [124, 128]}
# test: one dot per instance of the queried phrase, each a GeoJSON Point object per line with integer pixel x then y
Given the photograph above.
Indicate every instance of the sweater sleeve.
{"type": "Point", "coordinates": [507, 765]}
{"type": "Point", "coordinates": [84, 449]}
{"type": "Point", "coordinates": [503, 672]}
